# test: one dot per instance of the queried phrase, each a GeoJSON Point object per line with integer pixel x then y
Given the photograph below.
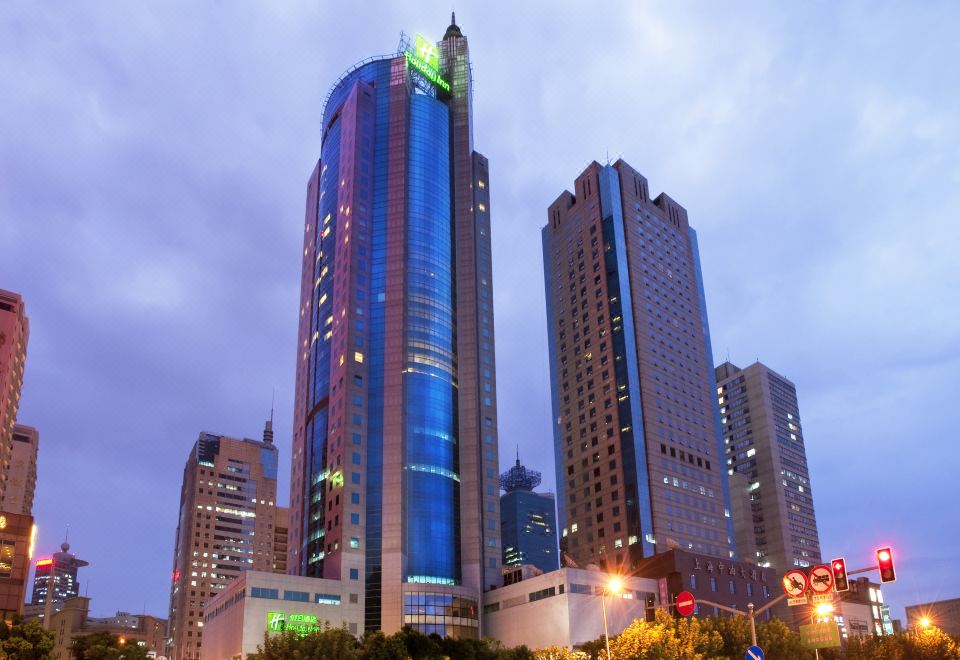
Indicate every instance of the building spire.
{"type": "Point", "coordinates": [268, 425]}
{"type": "Point", "coordinates": [453, 30]}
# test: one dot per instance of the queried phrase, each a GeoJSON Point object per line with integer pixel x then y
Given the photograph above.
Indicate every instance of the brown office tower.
{"type": "Point", "coordinates": [636, 435]}
{"type": "Point", "coordinates": [227, 525]}
{"type": "Point", "coordinates": [22, 475]}
{"type": "Point", "coordinates": [393, 488]}
{"type": "Point", "coordinates": [774, 522]}
{"type": "Point", "coordinates": [14, 331]}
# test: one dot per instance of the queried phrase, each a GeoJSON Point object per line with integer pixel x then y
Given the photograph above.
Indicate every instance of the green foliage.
{"type": "Point", "coordinates": [105, 646]}
{"type": "Point", "coordinates": [336, 644]}
{"type": "Point", "coordinates": [931, 644]}
{"type": "Point", "coordinates": [25, 641]}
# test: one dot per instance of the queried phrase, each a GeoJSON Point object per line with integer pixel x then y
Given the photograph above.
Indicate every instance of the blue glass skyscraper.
{"type": "Point", "coordinates": [394, 484]}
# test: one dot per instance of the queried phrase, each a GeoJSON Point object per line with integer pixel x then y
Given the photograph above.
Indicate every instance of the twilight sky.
{"type": "Point", "coordinates": [153, 164]}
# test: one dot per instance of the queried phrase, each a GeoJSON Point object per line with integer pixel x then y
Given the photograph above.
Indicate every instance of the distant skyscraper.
{"type": "Point", "coordinates": [227, 525]}
{"type": "Point", "coordinates": [59, 574]}
{"type": "Point", "coordinates": [22, 475]}
{"type": "Point", "coordinates": [636, 433]}
{"type": "Point", "coordinates": [14, 331]}
{"type": "Point", "coordinates": [528, 526]}
{"type": "Point", "coordinates": [394, 481]}
{"type": "Point", "coordinates": [766, 457]}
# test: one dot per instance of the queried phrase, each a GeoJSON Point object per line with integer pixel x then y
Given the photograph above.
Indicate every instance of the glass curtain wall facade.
{"type": "Point", "coordinates": [393, 485]}
{"type": "Point", "coordinates": [637, 441]}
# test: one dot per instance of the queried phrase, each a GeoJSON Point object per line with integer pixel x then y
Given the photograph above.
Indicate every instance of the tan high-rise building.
{"type": "Point", "coordinates": [22, 474]}
{"type": "Point", "coordinates": [14, 331]}
{"type": "Point", "coordinates": [281, 528]}
{"type": "Point", "coordinates": [766, 459]}
{"type": "Point", "coordinates": [228, 519]}
{"type": "Point", "coordinates": [639, 464]}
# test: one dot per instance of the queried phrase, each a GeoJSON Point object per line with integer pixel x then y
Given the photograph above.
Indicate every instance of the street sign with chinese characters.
{"type": "Point", "coordinates": [820, 635]}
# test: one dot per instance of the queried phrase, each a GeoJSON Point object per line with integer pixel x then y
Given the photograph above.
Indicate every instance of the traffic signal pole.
{"type": "Point", "coordinates": [751, 613]}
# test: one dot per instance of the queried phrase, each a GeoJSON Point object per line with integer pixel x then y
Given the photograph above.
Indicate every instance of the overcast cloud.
{"type": "Point", "coordinates": [153, 163]}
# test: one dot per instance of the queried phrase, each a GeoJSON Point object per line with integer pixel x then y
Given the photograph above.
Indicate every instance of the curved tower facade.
{"type": "Point", "coordinates": [394, 483]}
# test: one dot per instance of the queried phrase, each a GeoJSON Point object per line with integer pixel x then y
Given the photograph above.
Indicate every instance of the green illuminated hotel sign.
{"type": "Point", "coordinates": [426, 60]}
{"type": "Point", "coordinates": [301, 624]}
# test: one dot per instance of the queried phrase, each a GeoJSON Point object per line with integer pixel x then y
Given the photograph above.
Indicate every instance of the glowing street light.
{"type": "Point", "coordinates": [925, 622]}
{"type": "Point", "coordinates": [614, 586]}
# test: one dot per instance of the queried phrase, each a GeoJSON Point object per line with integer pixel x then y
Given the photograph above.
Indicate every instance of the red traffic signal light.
{"type": "Point", "coordinates": [885, 563]}
{"type": "Point", "coordinates": [839, 568]}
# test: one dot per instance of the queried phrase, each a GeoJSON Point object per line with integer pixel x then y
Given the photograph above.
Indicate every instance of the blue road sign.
{"type": "Point", "coordinates": [754, 653]}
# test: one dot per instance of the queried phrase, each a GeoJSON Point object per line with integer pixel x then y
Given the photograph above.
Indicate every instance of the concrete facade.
{"type": "Point", "coordinates": [73, 621]}
{"type": "Point", "coordinates": [14, 333]}
{"type": "Point", "coordinates": [238, 618]}
{"type": "Point", "coordinates": [772, 498]}
{"type": "Point", "coordinates": [22, 475]}
{"type": "Point", "coordinates": [227, 525]}
{"type": "Point", "coordinates": [636, 435]}
{"type": "Point", "coordinates": [17, 535]}
{"type": "Point", "coordinates": [562, 608]}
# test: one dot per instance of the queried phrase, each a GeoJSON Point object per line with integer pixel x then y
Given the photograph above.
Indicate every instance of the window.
{"type": "Point", "coordinates": [713, 584]}
{"type": "Point", "coordinates": [261, 592]}
{"type": "Point", "coordinates": [354, 573]}
{"type": "Point", "coordinates": [299, 596]}
{"type": "Point", "coordinates": [326, 599]}
{"type": "Point", "coordinates": [6, 557]}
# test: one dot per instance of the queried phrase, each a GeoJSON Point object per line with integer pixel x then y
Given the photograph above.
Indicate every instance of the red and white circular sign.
{"type": "Point", "coordinates": [821, 579]}
{"type": "Point", "coordinates": [686, 603]}
{"type": "Point", "coordinates": [795, 583]}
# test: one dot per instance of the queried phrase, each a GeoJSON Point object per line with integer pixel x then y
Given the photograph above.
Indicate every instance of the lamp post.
{"type": "Point", "coordinates": [614, 587]}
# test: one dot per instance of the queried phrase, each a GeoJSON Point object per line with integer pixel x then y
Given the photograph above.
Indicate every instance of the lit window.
{"type": "Point", "coordinates": [357, 356]}
{"type": "Point", "coordinates": [481, 184]}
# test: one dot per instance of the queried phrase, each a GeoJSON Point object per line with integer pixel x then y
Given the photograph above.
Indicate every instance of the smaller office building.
{"type": "Point", "coordinates": [944, 614]}
{"type": "Point", "coordinates": [72, 620]}
{"type": "Point", "coordinates": [861, 611]}
{"type": "Point", "coordinates": [258, 603]}
{"type": "Point", "coordinates": [562, 608]}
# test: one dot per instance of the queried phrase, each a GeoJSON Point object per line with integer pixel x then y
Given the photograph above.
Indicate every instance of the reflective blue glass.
{"type": "Point", "coordinates": [432, 480]}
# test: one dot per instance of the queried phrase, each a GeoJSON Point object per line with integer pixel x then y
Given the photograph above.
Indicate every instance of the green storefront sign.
{"type": "Point", "coordinates": [820, 635]}
{"type": "Point", "coordinates": [298, 623]}
{"type": "Point", "coordinates": [426, 60]}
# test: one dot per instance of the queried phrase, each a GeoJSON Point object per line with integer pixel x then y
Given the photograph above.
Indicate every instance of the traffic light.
{"type": "Point", "coordinates": [885, 563]}
{"type": "Point", "coordinates": [839, 568]}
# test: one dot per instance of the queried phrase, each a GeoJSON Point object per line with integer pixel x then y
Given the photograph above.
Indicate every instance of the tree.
{"type": "Point", "coordinates": [560, 653]}
{"type": "Point", "coordinates": [106, 646]}
{"type": "Point", "coordinates": [26, 641]}
{"type": "Point", "coordinates": [326, 643]}
{"type": "Point", "coordinates": [377, 646]}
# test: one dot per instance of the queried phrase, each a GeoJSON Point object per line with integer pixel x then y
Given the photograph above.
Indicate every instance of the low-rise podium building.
{"type": "Point", "coordinates": [562, 608]}
{"type": "Point", "coordinates": [257, 603]}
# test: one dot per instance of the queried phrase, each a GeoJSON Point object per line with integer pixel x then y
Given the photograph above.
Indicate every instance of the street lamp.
{"type": "Point", "coordinates": [613, 586]}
